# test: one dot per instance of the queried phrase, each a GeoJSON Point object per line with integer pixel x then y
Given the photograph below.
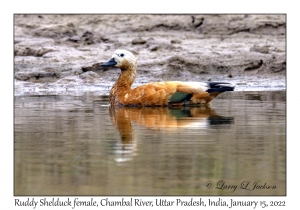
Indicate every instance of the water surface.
{"type": "Point", "coordinates": [77, 145]}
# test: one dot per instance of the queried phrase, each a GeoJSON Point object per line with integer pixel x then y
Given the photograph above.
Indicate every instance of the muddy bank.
{"type": "Point", "coordinates": [61, 54]}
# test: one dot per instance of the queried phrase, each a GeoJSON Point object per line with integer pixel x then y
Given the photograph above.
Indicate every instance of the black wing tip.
{"type": "Point", "coordinates": [220, 87]}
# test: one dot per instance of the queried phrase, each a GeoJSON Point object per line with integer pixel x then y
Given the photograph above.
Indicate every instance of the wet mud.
{"type": "Point", "coordinates": [62, 54]}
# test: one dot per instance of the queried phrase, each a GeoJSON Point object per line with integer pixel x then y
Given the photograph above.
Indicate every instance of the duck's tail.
{"type": "Point", "coordinates": [219, 87]}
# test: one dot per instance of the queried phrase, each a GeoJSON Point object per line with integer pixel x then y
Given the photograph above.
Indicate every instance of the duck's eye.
{"type": "Point", "coordinates": [122, 55]}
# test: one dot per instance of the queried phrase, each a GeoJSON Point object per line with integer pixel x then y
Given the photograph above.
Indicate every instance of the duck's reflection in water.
{"type": "Point", "coordinates": [159, 118]}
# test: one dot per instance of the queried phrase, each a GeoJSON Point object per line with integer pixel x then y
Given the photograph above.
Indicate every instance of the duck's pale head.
{"type": "Point", "coordinates": [122, 59]}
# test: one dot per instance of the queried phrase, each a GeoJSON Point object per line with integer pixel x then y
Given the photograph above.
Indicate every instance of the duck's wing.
{"type": "Point", "coordinates": [164, 93]}
{"type": "Point", "coordinates": [199, 92]}
{"type": "Point", "coordinates": [157, 93]}
{"type": "Point", "coordinates": [186, 90]}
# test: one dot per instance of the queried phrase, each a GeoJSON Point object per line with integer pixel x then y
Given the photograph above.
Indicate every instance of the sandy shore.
{"type": "Point", "coordinates": [61, 54]}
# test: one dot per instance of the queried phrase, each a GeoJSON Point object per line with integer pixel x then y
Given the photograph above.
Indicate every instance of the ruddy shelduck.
{"type": "Point", "coordinates": [169, 93]}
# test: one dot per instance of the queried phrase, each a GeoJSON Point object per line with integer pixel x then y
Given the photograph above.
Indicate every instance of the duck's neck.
{"type": "Point", "coordinates": [126, 78]}
{"type": "Point", "coordinates": [124, 82]}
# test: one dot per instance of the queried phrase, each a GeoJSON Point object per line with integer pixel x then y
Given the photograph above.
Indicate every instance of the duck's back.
{"type": "Point", "coordinates": [173, 93]}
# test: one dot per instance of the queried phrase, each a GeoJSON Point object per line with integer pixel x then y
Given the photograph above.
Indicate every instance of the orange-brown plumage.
{"type": "Point", "coordinates": [157, 93]}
